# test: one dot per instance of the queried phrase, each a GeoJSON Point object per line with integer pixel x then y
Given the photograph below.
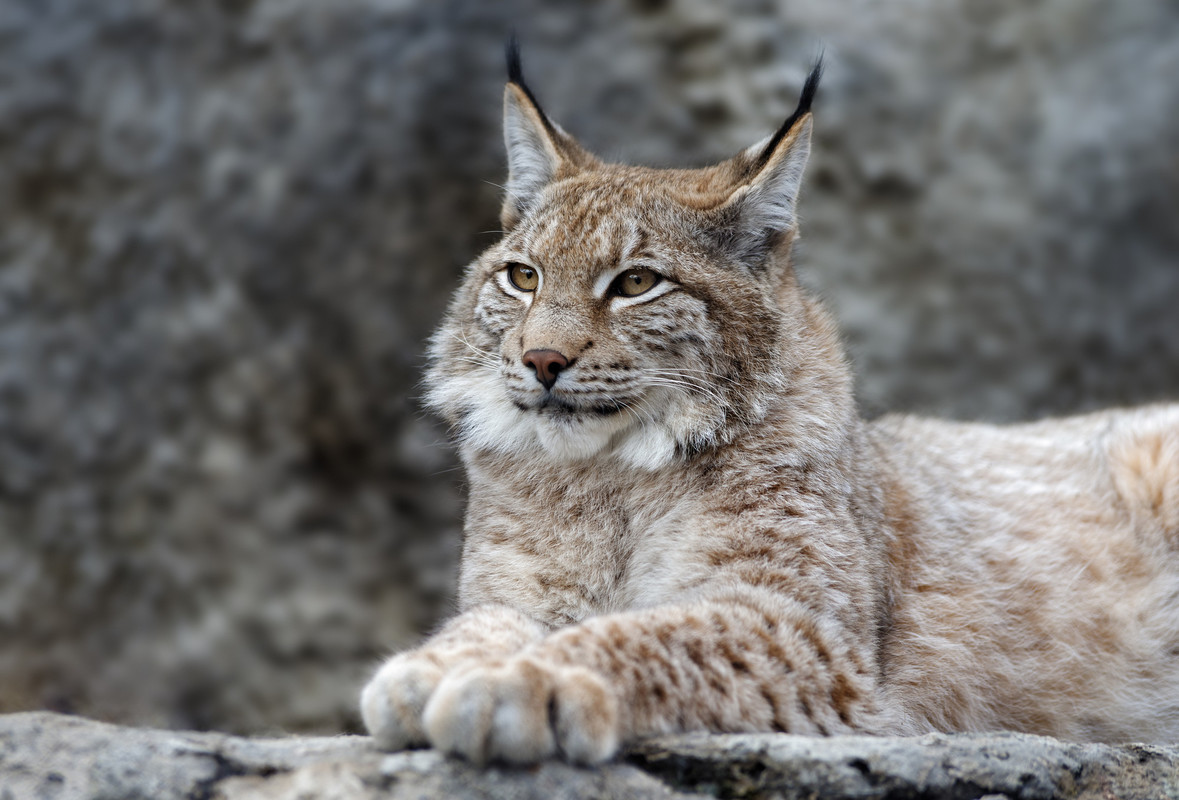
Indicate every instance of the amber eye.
{"type": "Point", "coordinates": [523, 277]}
{"type": "Point", "coordinates": [634, 282]}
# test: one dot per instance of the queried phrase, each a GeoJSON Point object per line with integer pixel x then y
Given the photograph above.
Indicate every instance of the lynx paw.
{"type": "Point", "coordinates": [524, 711]}
{"type": "Point", "coordinates": [392, 702]}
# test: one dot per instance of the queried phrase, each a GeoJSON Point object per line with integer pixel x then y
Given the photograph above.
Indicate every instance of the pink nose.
{"type": "Point", "coordinates": [546, 364]}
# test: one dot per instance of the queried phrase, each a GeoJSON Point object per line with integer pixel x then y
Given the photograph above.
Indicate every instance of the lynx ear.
{"type": "Point", "coordinates": [538, 150]}
{"type": "Point", "coordinates": [760, 213]}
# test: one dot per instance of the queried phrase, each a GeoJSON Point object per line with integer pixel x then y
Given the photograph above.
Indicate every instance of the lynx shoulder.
{"type": "Point", "coordinates": [678, 521]}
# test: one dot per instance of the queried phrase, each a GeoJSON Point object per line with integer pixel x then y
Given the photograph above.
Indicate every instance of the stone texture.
{"type": "Point", "coordinates": [992, 766]}
{"type": "Point", "coordinates": [228, 226]}
{"type": "Point", "coordinates": [46, 756]}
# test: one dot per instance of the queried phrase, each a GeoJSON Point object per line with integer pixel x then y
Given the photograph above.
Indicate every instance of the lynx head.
{"type": "Point", "coordinates": [629, 313]}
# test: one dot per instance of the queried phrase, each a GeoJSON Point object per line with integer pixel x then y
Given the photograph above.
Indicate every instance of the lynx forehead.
{"type": "Point", "coordinates": [679, 521]}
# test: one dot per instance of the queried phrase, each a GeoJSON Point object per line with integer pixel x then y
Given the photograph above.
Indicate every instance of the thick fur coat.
{"type": "Point", "coordinates": [678, 520]}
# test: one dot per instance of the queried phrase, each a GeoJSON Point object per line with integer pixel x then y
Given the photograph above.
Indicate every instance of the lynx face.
{"type": "Point", "coordinates": [607, 332]}
{"type": "Point", "coordinates": [627, 312]}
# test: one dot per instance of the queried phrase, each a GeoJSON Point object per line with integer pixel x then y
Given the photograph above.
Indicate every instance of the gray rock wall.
{"type": "Point", "coordinates": [226, 228]}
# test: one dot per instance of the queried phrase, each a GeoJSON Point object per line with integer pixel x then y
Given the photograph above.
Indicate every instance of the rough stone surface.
{"type": "Point", "coordinates": [1003, 765]}
{"type": "Point", "coordinates": [46, 756]}
{"type": "Point", "coordinates": [228, 227]}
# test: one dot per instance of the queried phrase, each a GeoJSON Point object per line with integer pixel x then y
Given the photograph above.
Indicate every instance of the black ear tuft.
{"type": "Point", "coordinates": [516, 76]}
{"type": "Point", "coordinates": [809, 88]}
{"type": "Point", "coordinates": [512, 52]}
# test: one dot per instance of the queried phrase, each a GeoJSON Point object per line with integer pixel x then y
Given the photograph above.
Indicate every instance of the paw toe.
{"type": "Point", "coordinates": [585, 717]}
{"type": "Point", "coordinates": [521, 732]}
{"type": "Point", "coordinates": [457, 720]}
{"type": "Point", "coordinates": [493, 714]}
{"type": "Point", "coordinates": [392, 703]}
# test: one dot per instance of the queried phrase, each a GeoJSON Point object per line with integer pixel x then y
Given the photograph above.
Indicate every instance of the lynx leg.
{"type": "Point", "coordinates": [748, 664]}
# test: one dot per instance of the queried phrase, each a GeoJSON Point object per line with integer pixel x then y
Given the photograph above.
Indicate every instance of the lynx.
{"type": "Point", "coordinates": [678, 520]}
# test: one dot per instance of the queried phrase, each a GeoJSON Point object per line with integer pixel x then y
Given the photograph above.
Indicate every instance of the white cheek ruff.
{"type": "Point", "coordinates": [574, 441]}
{"type": "Point", "coordinates": [491, 422]}
{"type": "Point", "coordinates": [647, 447]}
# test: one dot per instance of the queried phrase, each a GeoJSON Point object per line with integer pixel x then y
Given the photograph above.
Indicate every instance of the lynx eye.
{"type": "Point", "coordinates": [523, 277]}
{"type": "Point", "coordinates": [634, 282]}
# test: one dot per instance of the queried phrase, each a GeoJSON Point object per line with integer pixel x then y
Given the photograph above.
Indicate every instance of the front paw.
{"type": "Point", "coordinates": [392, 702]}
{"type": "Point", "coordinates": [524, 711]}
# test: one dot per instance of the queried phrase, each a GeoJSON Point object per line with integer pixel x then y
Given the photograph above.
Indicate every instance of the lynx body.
{"type": "Point", "coordinates": [678, 520]}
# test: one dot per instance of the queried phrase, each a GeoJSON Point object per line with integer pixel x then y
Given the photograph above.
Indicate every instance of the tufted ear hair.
{"type": "Point", "coordinates": [539, 151]}
{"type": "Point", "coordinates": [759, 214]}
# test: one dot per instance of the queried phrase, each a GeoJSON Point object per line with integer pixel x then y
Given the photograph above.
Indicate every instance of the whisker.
{"type": "Point", "coordinates": [642, 419]}
{"type": "Point", "coordinates": [707, 391]}
{"type": "Point", "coordinates": [481, 362]}
{"type": "Point", "coordinates": [478, 350]}
{"type": "Point", "coordinates": [702, 372]}
{"type": "Point", "coordinates": [504, 189]}
{"type": "Point", "coordinates": [692, 381]}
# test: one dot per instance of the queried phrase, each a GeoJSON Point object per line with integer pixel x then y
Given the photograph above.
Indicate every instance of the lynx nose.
{"type": "Point", "coordinates": [546, 364]}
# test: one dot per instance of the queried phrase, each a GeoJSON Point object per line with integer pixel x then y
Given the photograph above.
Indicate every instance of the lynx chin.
{"type": "Point", "coordinates": [678, 520]}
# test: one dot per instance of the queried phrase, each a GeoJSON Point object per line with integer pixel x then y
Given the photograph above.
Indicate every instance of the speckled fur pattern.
{"type": "Point", "coordinates": [693, 529]}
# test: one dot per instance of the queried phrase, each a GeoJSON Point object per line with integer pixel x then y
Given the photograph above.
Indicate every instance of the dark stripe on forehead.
{"type": "Point", "coordinates": [617, 239]}
{"type": "Point", "coordinates": [576, 222]}
{"type": "Point", "coordinates": [639, 246]}
{"type": "Point", "coordinates": [590, 208]}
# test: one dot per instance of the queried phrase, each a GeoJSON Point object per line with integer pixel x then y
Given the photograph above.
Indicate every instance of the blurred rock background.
{"type": "Point", "coordinates": [227, 226]}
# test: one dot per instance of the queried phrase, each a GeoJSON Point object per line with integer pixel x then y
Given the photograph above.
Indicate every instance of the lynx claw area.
{"type": "Point", "coordinates": [523, 712]}
{"type": "Point", "coordinates": [392, 702]}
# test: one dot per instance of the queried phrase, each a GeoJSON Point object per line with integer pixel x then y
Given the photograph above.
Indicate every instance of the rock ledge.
{"type": "Point", "coordinates": [44, 755]}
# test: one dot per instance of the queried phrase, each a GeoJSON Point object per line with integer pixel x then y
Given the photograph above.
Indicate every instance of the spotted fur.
{"type": "Point", "coordinates": [693, 529]}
